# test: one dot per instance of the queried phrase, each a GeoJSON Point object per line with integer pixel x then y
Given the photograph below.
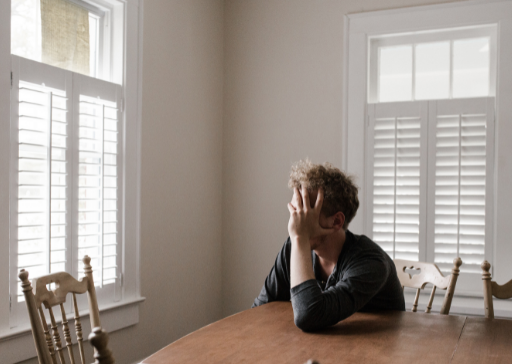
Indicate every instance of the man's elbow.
{"type": "Point", "coordinates": [305, 321]}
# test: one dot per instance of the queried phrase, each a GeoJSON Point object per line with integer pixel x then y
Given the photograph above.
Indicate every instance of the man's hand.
{"type": "Point", "coordinates": [304, 219]}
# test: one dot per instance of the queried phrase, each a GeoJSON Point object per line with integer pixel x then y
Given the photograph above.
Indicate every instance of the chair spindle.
{"type": "Point", "coordinates": [35, 321]}
{"type": "Point", "coordinates": [486, 278]}
{"type": "Point", "coordinates": [47, 335]}
{"type": "Point", "coordinates": [447, 303]}
{"type": "Point", "coordinates": [78, 329]}
{"type": "Point", "coordinates": [431, 299]}
{"type": "Point", "coordinates": [56, 337]}
{"type": "Point", "coordinates": [94, 313]}
{"type": "Point", "coordinates": [67, 334]}
{"type": "Point", "coordinates": [415, 304]}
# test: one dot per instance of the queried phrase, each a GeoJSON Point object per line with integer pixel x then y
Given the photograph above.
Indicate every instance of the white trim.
{"type": "Point", "coordinates": [422, 18]}
{"type": "Point", "coordinates": [18, 342]}
{"type": "Point", "coordinates": [5, 145]}
{"type": "Point", "coordinates": [344, 101]}
{"type": "Point", "coordinates": [423, 7]}
{"type": "Point", "coordinates": [89, 6]}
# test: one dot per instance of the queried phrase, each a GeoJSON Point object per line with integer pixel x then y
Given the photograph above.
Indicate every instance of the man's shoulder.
{"type": "Point", "coordinates": [363, 244]}
{"type": "Point", "coordinates": [364, 248]}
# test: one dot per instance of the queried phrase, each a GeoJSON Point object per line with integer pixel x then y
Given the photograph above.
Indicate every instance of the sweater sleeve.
{"type": "Point", "coordinates": [277, 283]}
{"type": "Point", "coordinates": [316, 309]}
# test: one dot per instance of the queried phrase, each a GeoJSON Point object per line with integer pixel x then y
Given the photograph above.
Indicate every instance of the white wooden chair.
{"type": "Point", "coordinates": [429, 273]}
{"type": "Point", "coordinates": [491, 288]}
{"type": "Point", "coordinates": [99, 340]}
{"type": "Point", "coordinates": [37, 295]}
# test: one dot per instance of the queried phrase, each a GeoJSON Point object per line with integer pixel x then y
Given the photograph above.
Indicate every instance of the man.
{"type": "Point", "coordinates": [327, 272]}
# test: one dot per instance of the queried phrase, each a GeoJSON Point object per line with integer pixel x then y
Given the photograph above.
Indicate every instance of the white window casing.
{"type": "Point", "coordinates": [120, 95]}
{"type": "Point", "coordinates": [461, 122]}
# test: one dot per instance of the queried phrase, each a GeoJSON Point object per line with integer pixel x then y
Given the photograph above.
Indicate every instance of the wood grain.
{"type": "Point", "coordinates": [485, 341]}
{"type": "Point", "coordinates": [267, 334]}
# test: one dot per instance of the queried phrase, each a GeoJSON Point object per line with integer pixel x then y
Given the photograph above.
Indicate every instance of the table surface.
{"type": "Point", "coordinates": [267, 334]}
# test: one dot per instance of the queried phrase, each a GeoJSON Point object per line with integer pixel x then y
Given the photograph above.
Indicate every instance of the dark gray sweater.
{"type": "Point", "coordinates": [364, 279]}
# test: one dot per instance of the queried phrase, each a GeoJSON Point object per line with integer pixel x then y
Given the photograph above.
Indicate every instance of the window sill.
{"type": "Point", "coordinates": [463, 303]}
{"type": "Point", "coordinates": [17, 344]}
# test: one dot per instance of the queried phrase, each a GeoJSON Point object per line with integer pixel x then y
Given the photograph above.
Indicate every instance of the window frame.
{"type": "Point", "coordinates": [415, 38]}
{"type": "Point", "coordinates": [359, 28]}
{"type": "Point", "coordinates": [16, 343]}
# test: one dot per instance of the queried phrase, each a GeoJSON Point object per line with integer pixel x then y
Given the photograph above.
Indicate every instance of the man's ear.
{"type": "Point", "coordinates": [339, 220]}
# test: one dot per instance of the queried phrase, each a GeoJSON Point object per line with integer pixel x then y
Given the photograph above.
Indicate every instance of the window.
{"type": "Point", "coordinates": [72, 147]}
{"type": "Point", "coordinates": [429, 159]}
{"type": "Point", "coordinates": [65, 201]}
{"type": "Point", "coordinates": [426, 110]}
{"type": "Point", "coordinates": [82, 43]}
{"type": "Point", "coordinates": [441, 64]}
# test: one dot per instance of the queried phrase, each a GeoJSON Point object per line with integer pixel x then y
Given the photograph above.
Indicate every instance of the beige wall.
{"type": "Point", "coordinates": [283, 94]}
{"type": "Point", "coordinates": [181, 174]}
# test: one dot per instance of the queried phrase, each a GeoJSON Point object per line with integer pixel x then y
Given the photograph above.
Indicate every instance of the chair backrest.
{"type": "Point", "coordinates": [99, 340]}
{"type": "Point", "coordinates": [491, 288]}
{"type": "Point", "coordinates": [429, 273]}
{"type": "Point", "coordinates": [38, 295]}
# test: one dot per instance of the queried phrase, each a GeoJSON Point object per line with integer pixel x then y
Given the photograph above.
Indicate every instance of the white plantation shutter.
{"type": "Point", "coordinates": [461, 136]}
{"type": "Point", "coordinates": [397, 183]}
{"type": "Point", "coordinates": [430, 169]}
{"type": "Point", "coordinates": [40, 213]}
{"type": "Point", "coordinates": [99, 171]}
{"type": "Point", "coordinates": [66, 178]}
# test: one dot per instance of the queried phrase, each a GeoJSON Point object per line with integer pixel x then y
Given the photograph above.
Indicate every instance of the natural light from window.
{"type": "Point", "coordinates": [431, 66]}
{"type": "Point", "coordinates": [27, 37]}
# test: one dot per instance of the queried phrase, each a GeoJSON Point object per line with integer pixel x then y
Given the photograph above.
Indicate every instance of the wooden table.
{"type": "Point", "coordinates": [267, 334]}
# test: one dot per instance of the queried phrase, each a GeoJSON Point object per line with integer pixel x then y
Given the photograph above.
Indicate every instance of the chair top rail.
{"type": "Point", "coordinates": [429, 273]}
{"type": "Point", "coordinates": [503, 291]}
{"type": "Point", "coordinates": [65, 283]}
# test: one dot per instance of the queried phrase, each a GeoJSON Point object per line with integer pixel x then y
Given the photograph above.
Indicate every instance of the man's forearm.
{"type": "Point", "coordinates": [301, 265]}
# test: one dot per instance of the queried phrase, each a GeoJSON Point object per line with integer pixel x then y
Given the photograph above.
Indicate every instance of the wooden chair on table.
{"type": "Point", "coordinates": [429, 273]}
{"type": "Point", "coordinates": [491, 288]}
{"type": "Point", "coordinates": [37, 294]}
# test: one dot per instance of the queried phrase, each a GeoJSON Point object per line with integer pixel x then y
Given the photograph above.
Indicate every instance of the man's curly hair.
{"type": "Point", "coordinates": [340, 191]}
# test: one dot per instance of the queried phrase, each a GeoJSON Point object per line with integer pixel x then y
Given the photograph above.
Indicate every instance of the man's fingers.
{"type": "Point", "coordinates": [297, 197]}
{"type": "Point", "coordinates": [319, 199]}
{"type": "Point", "coordinates": [291, 208]}
{"type": "Point", "coordinates": [305, 198]}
